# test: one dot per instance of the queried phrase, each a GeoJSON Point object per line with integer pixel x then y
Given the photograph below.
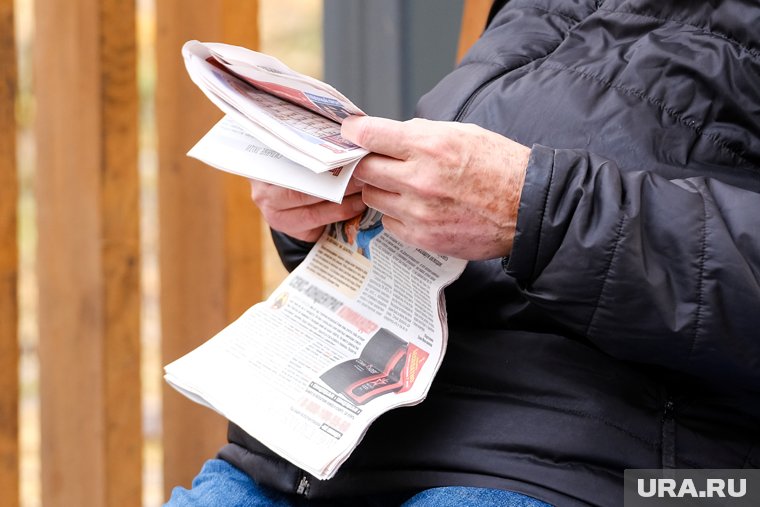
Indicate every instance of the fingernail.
{"type": "Point", "coordinates": [349, 126]}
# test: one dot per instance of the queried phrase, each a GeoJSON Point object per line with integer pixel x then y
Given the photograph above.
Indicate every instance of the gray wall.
{"type": "Point", "coordinates": [385, 54]}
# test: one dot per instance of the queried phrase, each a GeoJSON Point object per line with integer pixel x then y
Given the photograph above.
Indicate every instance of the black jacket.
{"type": "Point", "coordinates": [624, 330]}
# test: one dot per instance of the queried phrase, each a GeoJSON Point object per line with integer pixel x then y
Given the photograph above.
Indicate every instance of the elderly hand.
{"type": "Point", "coordinates": [446, 187]}
{"type": "Point", "coordinates": [303, 216]}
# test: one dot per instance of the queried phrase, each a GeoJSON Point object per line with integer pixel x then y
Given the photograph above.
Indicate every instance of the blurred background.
{"type": "Point", "coordinates": [119, 253]}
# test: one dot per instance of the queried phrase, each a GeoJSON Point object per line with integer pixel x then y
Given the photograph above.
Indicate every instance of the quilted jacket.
{"type": "Point", "coordinates": [624, 329]}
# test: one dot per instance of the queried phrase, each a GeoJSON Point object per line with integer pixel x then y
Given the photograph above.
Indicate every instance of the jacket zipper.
{"type": "Point", "coordinates": [474, 95]}
{"type": "Point", "coordinates": [668, 451]}
{"type": "Point", "coordinates": [303, 485]}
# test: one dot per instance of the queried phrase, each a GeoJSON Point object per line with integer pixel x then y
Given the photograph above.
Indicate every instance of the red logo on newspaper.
{"type": "Point", "coordinates": [415, 358]}
{"type": "Point", "coordinates": [361, 323]}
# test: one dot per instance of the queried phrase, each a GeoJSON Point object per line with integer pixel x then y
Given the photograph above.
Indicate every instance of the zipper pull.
{"type": "Point", "coordinates": [303, 486]}
{"type": "Point", "coordinates": [668, 443]}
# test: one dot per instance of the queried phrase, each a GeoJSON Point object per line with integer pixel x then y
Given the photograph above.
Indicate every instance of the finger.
{"type": "Point", "coordinates": [266, 194]}
{"type": "Point", "coordinates": [396, 227]}
{"type": "Point", "coordinates": [380, 135]}
{"type": "Point", "coordinates": [354, 186]}
{"type": "Point", "coordinates": [387, 203]}
{"type": "Point", "coordinates": [316, 215]}
{"type": "Point", "coordinates": [380, 171]}
{"type": "Point", "coordinates": [413, 236]}
{"type": "Point", "coordinates": [310, 235]}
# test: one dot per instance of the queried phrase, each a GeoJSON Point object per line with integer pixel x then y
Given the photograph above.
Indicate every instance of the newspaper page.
{"type": "Point", "coordinates": [269, 74]}
{"type": "Point", "coordinates": [230, 148]}
{"type": "Point", "coordinates": [295, 115]}
{"type": "Point", "coordinates": [357, 329]}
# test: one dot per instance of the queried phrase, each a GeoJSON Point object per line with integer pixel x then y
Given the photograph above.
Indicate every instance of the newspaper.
{"type": "Point", "coordinates": [357, 329]}
{"type": "Point", "coordinates": [280, 126]}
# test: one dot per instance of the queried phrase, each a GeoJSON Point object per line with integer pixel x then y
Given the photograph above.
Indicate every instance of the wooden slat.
{"type": "Point", "coordinates": [120, 250]}
{"type": "Point", "coordinates": [473, 21]}
{"type": "Point", "coordinates": [88, 252]}
{"type": "Point", "coordinates": [9, 352]}
{"type": "Point", "coordinates": [244, 251]}
{"type": "Point", "coordinates": [209, 231]}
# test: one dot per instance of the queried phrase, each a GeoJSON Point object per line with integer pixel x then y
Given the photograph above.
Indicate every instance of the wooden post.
{"type": "Point", "coordinates": [474, 19]}
{"type": "Point", "coordinates": [88, 252]}
{"type": "Point", "coordinates": [9, 351]}
{"type": "Point", "coordinates": [244, 249]}
{"type": "Point", "coordinates": [209, 229]}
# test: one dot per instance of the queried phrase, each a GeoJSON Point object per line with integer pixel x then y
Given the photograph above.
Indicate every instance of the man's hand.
{"type": "Point", "coordinates": [450, 188]}
{"type": "Point", "coordinates": [300, 215]}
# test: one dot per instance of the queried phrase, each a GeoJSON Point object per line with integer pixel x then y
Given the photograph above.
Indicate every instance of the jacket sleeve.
{"type": "Point", "coordinates": [651, 270]}
{"type": "Point", "coordinates": [292, 251]}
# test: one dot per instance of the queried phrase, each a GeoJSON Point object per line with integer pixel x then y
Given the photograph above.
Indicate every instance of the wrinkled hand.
{"type": "Point", "coordinates": [446, 187]}
{"type": "Point", "coordinates": [300, 215]}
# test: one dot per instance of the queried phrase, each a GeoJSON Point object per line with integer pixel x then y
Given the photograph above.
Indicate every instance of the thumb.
{"type": "Point", "coordinates": [380, 135]}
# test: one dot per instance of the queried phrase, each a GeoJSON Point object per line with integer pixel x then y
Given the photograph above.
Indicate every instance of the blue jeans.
{"type": "Point", "coordinates": [221, 485]}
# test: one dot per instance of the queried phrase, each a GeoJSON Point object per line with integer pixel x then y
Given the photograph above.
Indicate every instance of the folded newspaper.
{"type": "Point", "coordinates": [280, 126]}
{"type": "Point", "coordinates": [359, 328]}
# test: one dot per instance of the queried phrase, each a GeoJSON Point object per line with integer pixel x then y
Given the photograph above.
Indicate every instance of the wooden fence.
{"type": "Point", "coordinates": [88, 255]}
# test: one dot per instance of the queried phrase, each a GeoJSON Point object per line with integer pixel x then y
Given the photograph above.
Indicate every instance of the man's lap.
{"type": "Point", "coordinates": [219, 484]}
